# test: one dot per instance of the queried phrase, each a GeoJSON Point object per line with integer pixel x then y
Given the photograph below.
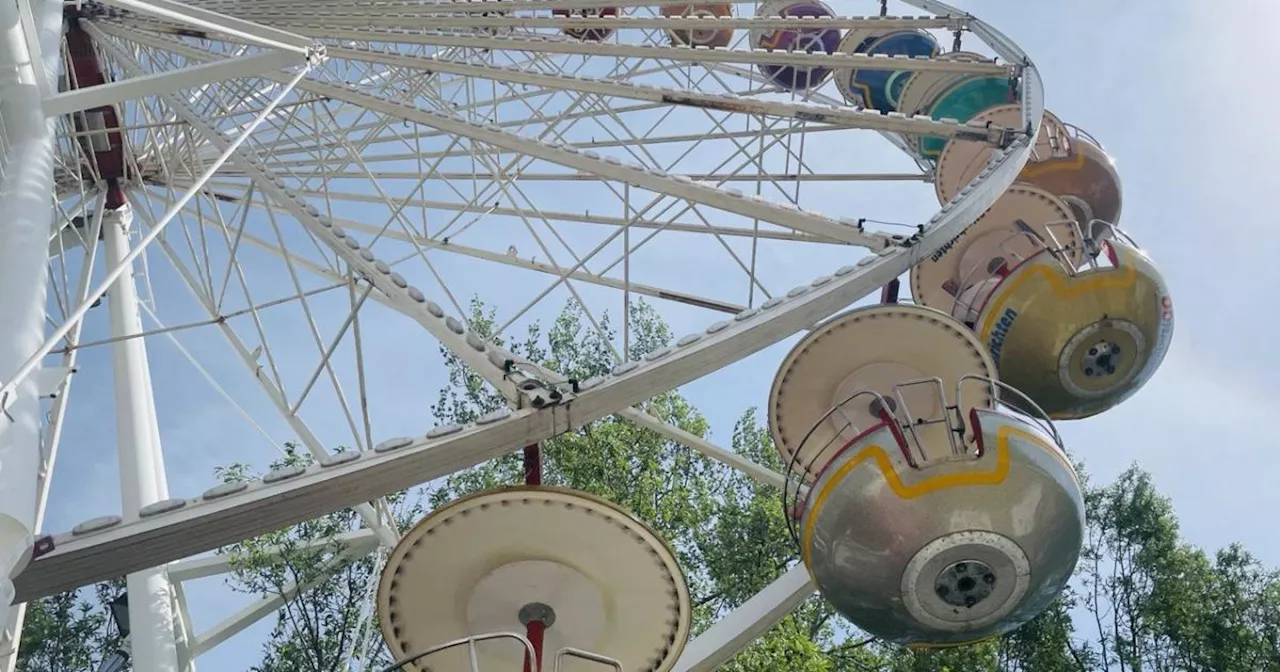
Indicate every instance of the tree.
{"type": "Point", "coordinates": [728, 531]}
{"type": "Point", "coordinates": [332, 624]}
{"type": "Point", "coordinates": [70, 631]}
{"type": "Point", "coordinates": [1143, 600]}
{"type": "Point", "coordinates": [1157, 603]}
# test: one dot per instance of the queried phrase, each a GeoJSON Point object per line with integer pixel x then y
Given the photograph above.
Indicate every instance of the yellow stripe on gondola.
{"type": "Point", "coordinates": [881, 459]}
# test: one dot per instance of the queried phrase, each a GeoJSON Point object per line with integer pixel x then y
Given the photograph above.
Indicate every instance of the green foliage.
{"type": "Point", "coordinates": [331, 626]}
{"type": "Point", "coordinates": [69, 632]}
{"type": "Point", "coordinates": [728, 531]}
{"type": "Point", "coordinates": [1142, 600]}
{"type": "Point", "coordinates": [1158, 604]}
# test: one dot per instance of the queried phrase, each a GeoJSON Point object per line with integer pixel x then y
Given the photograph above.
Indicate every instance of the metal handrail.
{"type": "Point", "coordinates": [1032, 411]}
{"type": "Point", "coordinates": [1081, 133]}
{"type": "Point", "coordinates": [471, 649]}
{"type": "Point", "coordinates": [570, 652]}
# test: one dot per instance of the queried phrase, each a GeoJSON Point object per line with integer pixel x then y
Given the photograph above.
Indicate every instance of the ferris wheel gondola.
{"type": "Point", "coordinates": [355, 158]}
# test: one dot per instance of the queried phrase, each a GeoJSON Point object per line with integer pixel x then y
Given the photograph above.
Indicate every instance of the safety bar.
{"type": "Point", "coordinates": [471, 649]}
{"type": "Point", "coordinates": [570, 652]}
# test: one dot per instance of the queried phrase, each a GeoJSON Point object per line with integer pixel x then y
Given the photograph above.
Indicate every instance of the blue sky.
{"type": "Point", "coordinates": [1153, 81]}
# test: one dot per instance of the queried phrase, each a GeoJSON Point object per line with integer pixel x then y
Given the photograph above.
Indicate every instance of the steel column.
{"type": "Point", "coordinates": [26, 180]}
{"type": "Point", "coordinates": [142, 479]}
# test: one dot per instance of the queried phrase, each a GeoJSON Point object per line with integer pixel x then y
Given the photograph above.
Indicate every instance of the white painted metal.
{"type": "Point", "coordinates": [205, 523]}
{"type": "Point", "coordinates": [142, 480]}
{"type": "Point", "coordinates": [723, 455]}
{"type": "Point", "coordinates": [237, 622]}
{"type": "Point", "coordinates": [254, 33]}
{"type": "Point", "coordinates": [26, 169]}
{"type": "Point", "coordinates": [49, 446]}
{"type": "Point", "coordinates": [718, 643]}
{"type": "Point", "coordinates": [843, 116]}
{"type": "Point", "coordinates": [175, 80]}
{"type": "Point", "coordinates": [356, 543]}
{"type": "Point", "coordinates": [412, 16]}
{"type": "Point", "coordinates": [33, 362]}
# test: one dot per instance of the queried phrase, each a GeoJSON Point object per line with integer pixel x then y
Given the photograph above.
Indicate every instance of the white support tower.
{"type": "Point", "coordinates": [142, 473]}
{"type": "Point", "coordinates": [28, 63]}
{"type": "Point", "coordinates": [328, 183]}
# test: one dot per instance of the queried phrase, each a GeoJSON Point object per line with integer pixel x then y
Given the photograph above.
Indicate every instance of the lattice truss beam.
{"type": "Point", "coordinates": [298, 190]}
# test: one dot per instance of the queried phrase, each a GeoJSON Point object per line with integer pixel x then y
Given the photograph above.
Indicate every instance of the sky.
{"type": "Point", "coordinates": [1150, 80]}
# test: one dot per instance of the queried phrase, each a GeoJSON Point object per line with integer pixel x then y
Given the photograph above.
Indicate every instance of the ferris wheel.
{"type": "Point", "coordinates": [322, 185]}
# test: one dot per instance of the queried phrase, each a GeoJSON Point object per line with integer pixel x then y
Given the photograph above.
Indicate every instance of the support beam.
{"type": "Point", "coordinates": [728, 200]}
{"type": "Point", "coordinates": [726, 457]}
{"type": "Point", "coordinates": [142, 477]}
{"type": "Point", "coordinates": [26, 181]}
{"type": "Point", "coordinates": [249, 31]}
{"type": "Point", "coordinates": [165, 82]}
{"type": "Point", "coordinates": [220, 518]}
{"type": "Point", "coordinates": [356, 542]}
{"type": "Point", "coordinates": [238, 622]}
{"type": "Point", "coordinates": [756, 616]}
{"type": "Point", "coordinates": [851, 117]}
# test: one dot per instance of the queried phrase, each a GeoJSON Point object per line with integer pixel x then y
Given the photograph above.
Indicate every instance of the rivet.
{"type": "Point", "coordinates": [340, 458]}
{"type": "Point", "coordinates": [220, 491]}
{"type": "Point", "coordinates": [162, 506]}
{"type": "Point", "coordinates": [283, 473]}
{"type": "Point", "coordinates": [444, 430]}
{"type": "Point", "coordinates": [95, 525]}
{"type": "Point", "coordinates": [392, 444]}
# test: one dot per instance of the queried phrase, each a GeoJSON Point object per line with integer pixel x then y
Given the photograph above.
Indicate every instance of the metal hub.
{"type": "Point", "coordinates": [882, 403]}
{"type": "Point", "coordinates": [537, 611]}
{"type": "Point", "coordinates": [965, 584]}
{"type": "Point", "coordinates": [1101, 360]}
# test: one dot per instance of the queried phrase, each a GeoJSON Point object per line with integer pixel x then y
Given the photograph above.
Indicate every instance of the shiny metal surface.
{"type": "Point", "coordinates": [961, 160]}
{"type": "Point", "coordinates": [876, 348]}
{"type": "Point", "coordinates": [1086, 179]}
{"type": "Point", "coordinates": [1068, 165]}
{"type": "Point", "coordinates": [1079, 342]}
{"type": "Point", "coordinates": [955, 551]}
{"type": "Point", "coordinates": [704, 37]}
{"type": "Point", "coordinates": [1015, 228]}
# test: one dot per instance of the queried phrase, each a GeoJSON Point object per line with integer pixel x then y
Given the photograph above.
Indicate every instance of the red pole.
{"type": "Point", "coordinates": [889, 293]}
{"type": "Point", "coordinates": [534, 631]}
{"type": "Point", "coordinates": [533, 475]}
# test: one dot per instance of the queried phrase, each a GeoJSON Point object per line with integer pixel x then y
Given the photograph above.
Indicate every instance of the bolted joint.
{"type": "Point", "coordinates": [316, 54]}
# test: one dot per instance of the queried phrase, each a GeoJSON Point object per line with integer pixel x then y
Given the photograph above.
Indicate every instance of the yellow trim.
{"type": "Point", "coordinates": [1058, 286]}
{"type": "Point", "coordinates": [866, 90]}
{"type": "Point", "coordinates": [924, 487]}
{"type": "Point", "coordinates": [1038, 168]}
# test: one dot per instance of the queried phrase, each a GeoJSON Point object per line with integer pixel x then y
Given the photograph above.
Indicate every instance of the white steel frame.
{"type": "Point", "coordinates": [140, 546]}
